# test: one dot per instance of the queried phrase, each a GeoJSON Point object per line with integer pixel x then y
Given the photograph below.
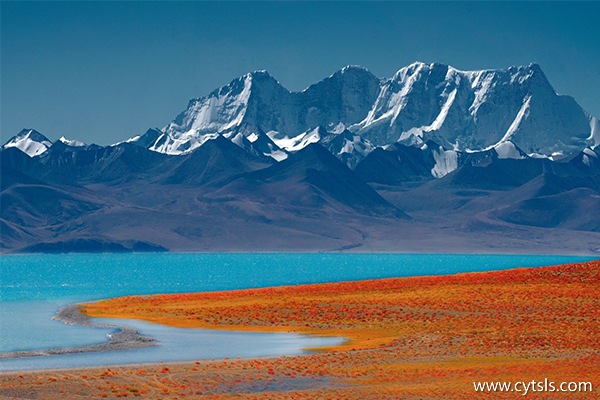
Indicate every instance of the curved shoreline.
{"type": "Point", "coordinates": [124, 339]}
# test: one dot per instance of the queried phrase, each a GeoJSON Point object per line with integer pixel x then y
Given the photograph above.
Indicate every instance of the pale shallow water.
{"type": "Point", "coordinates": [34, 287]}
{"type": "Point", "coordinates": [177, 344]}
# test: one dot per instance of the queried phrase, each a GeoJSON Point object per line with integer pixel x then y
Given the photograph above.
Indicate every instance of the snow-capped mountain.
{"type": "Point", "coordinates": [461, 110]}
{"type": "Point", "coordinates": [476, 110]}
{"type": "Point", "coordinates": [352, 162]}
{"type": "Point", "coordinates": [515, 112]}
{"type": "Point", "coordinates": [495, 159]}
{"type": "Point", "coordinates": [264, 112]}
{"type": "Point", "coordinates": [30, 142]}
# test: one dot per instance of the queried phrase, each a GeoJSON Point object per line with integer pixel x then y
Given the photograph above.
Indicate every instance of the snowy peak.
{"type": "Point", "coordinates": [350, 74]}
{"type": "Point", "coordinates": [530, 75]}
{"type": "Point", "coordinates": [257, 104]}
{"type": "Point", "coordinates": [352, 68]}
{"type": "Point", "coordinates": [147, 140]}
{"type": "Point", "coordinates": [514, 112]}
{"type": "Point", "coordinates": [71, 143]}
{"type": "Point", "coordinates": [475, 110]}
{"type": "Point", "coordinates": [30, 142]}
{"type": "Point", "coordinates": [463, 111]}
{"type": "Point", "coordinates": [245, 100]}
{"type": "Point", "coordinates": [345, 97]}
{"type": "Point", "coordinates": [221, 109]}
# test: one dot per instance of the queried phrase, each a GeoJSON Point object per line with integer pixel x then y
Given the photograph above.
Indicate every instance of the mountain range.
{"type": "Point", "coordinates": [431, 159]}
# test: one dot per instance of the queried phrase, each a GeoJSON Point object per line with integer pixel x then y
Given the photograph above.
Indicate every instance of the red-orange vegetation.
{"type": "Point", "coordinates": [408, 337]}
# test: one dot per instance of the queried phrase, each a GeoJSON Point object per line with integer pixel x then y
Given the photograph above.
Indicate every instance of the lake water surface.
{"type": "Point", "coordinates": [34, 287]}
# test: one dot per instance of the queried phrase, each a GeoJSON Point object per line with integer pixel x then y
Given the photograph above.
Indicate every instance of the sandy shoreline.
{"type": "Point", "coordinates": [409, 336]}
{"type": "Point", "coordinates": [123, 339]}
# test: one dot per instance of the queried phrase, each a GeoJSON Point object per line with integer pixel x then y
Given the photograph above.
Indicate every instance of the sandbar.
{"type": "Point", "coordinates": [123, 338]}
{"type": "Point", "coordinates": [420, 337]}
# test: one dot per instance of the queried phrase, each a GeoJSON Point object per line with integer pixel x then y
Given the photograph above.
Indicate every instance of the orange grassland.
{"type": "Point", "coordinates": [418, 337]}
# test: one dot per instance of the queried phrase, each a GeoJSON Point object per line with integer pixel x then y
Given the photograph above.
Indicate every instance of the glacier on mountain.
{"type": "Point", "coordinates": [514, 111]}
{"type": "Point", "coordinates": [30, 142]}
{"type": "Point", "coordinates": [508, 149]}
{"type": "Point", "coordinates": [446, 161]}
{"type": "Point", "coordinates": [474, 110]}
{"type": "Point", "coordinates": [460, 110]}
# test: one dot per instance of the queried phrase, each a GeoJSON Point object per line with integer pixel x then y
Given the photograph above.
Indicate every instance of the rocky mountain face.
{"type": "Point", "coordinates": [494, 159]}
{"type": "Point", "coordinates": [459, 110]}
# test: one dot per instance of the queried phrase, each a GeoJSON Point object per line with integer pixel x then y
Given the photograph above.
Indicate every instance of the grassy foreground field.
{"type": "Point", "coordinates": [421, 337]}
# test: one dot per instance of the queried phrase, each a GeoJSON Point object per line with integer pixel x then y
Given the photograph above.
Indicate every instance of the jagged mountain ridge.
{"type": "Point", "coordinates": [261, 109]}
{"type": "Point", "coordinates": [254, 166]}
{"type": "Point", "coordinates": [352, 112]}
{"type": "Point", "coordinates": [30, 142]}
{"type": "Point", "coordinates": [312, 179]}
{"type": "Point", "coordinates": [221, 197]}
{"type": "Point", "coordinates": [54, 201]}
{"type": "Point", "coordinates": [476, 110]}
{"type": "Point", "coordinates": [461, 110]}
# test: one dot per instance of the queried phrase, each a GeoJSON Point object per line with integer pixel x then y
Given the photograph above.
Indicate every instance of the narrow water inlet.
{"type": "Point", "coordinates": [136, 342]}
{"type": "Point", "coordinates": [34, 287]}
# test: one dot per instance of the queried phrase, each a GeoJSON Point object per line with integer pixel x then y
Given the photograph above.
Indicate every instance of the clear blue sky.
{"type": "Point", "coordinates": [104, 71]}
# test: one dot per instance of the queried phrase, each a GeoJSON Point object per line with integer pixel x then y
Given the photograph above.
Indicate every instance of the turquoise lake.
{"type": "Point", "coordinates": [34, 287]}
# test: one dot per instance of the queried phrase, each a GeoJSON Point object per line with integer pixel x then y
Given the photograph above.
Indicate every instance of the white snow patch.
{"type": "Point", "coordinates": [297, 142]}
{"type": "Point", "coordinates": [206, 118]}
{"type": "Point", "coordinates": [339, 128]}
{"type": "Point", "coordinates": [523, 113]}
{"type": "Point", "coordinates": [72, 143]}
{"type": "Point", "coordinates": [557, 155]}
{"type": "Point", "coordinates": [537, 155]}
{"type": "Point", "coordinates": [356, 145]}
{"type": "Point", "coordinates": [276, 154]}
{"type": "Point", "coordinates": [130, 140]}
{"type": "Point", "coordinates": [253, 137]}
{"type": "Point", "coordinates": [29, 146]}
{"type": "Point", "coordinates": [482, 82]}
{"type": "Point", "coordinates": [389, 104]}
{"type": "Point", "coordinates": [238, 140]}
{"type": "Point", "coordinates": [184, 144]}
{"type": "Point", "coordinates": [590, 152]}
{"type": "Point", "coordinates": [508, 150]}
{"type": "Point", "coordinates": [209, 115]}
{"type": "Point", "coordinates": [398, 100]}
{"type": "Point", "coordinates": [413, 136]}
{"type": "Point", "coordinates": [594, 131]}
{"type": "Point", "coordinates": [586, 160]}
{"type": "Point", "coordinates": [439, 120]}
{"type": "Point", "coordinates": [446, 161]}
